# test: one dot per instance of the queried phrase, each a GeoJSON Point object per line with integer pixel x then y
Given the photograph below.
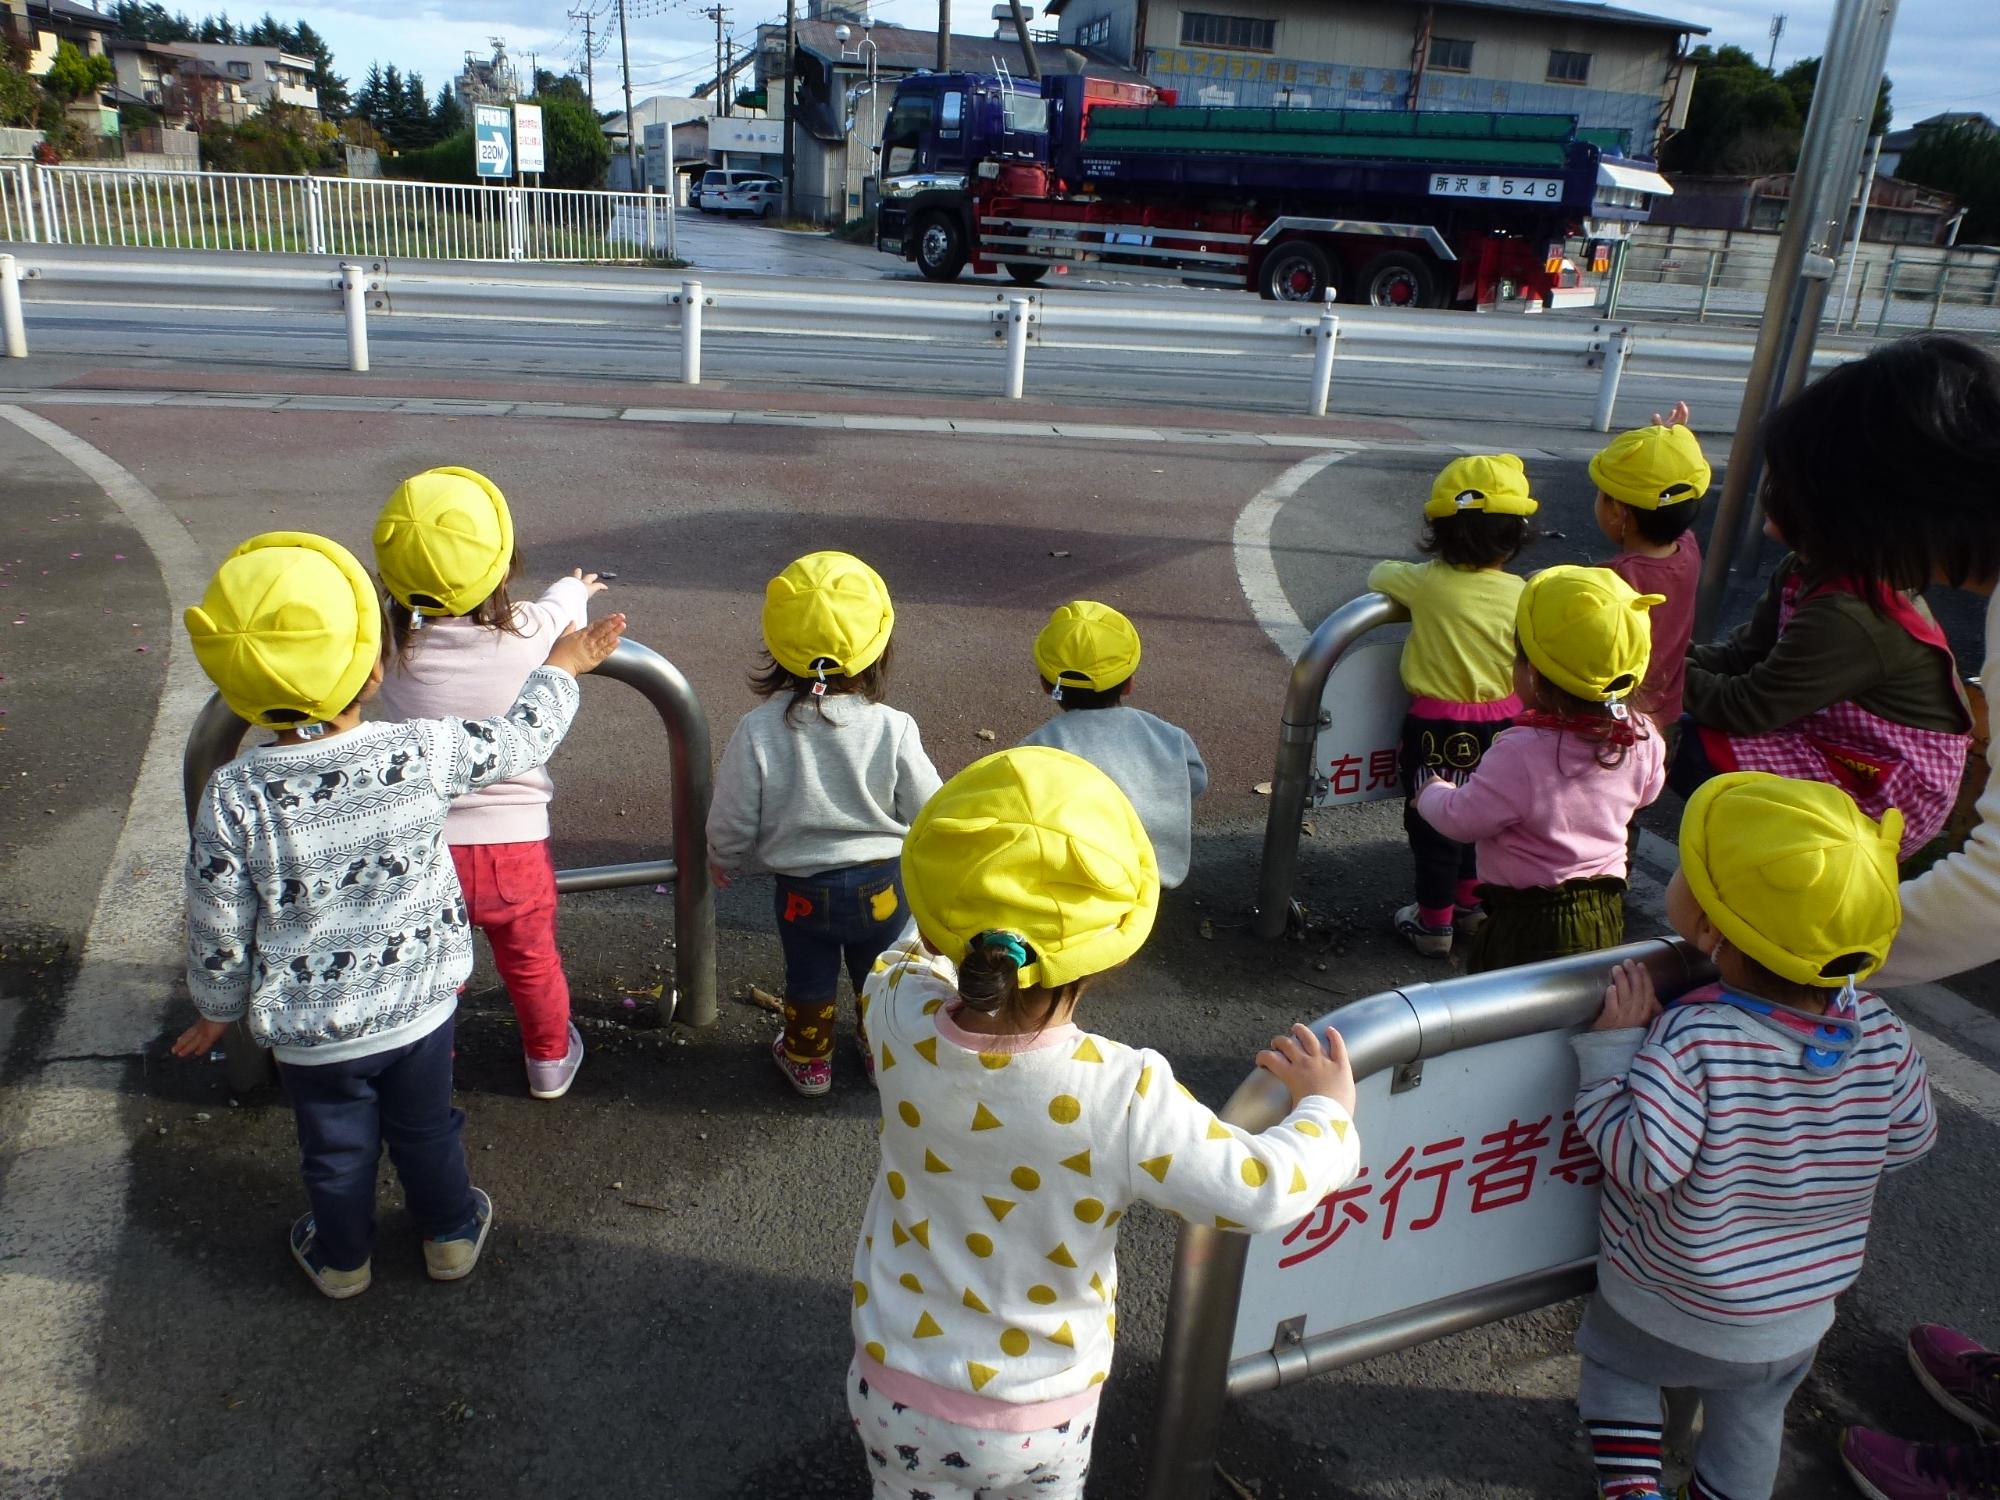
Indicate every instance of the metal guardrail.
{"type": "Point", "coordinates": [352, 216]}
{"type": "Point", "coordinates": [1390, 1030]}
{"type": "Point", "coordinates": [1193, 325]}
{"type": "Point", "coordinates": [218, 734]}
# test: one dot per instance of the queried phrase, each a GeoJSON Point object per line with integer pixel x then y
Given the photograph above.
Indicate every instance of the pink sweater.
{"type": "Point", "coordinates": [1542, 810]}
{"type": "Point", "coordinates": [459, 670]}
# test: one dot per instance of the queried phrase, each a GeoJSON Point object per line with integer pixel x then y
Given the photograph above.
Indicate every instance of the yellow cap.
{"type": "Point", "coordinates": [1041, 844]}
{"type": "Point", "coordinates": [1496, 483]}
{"type": "Point", "coordinates": [288, 630]}
{"type": "Point", "coordinates": [1649, 467]}
{"type": "Point", "coordinates": [827, 611]}
{"type": "Point", "coordinates": [1586, 631]}
{"type": "Point", "coordinates": [444, 542]}
{"type": "Point", "coordinates": [1087, 645]}
{"type": "Point", "coordinates": [1793, 874]}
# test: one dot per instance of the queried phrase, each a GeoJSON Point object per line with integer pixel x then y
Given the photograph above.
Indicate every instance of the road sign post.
{"type": "Point", "coordinates": [493, 142]}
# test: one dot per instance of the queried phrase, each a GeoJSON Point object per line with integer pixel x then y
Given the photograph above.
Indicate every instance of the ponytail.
{"type": "Point", "coordinates": [989, 977]}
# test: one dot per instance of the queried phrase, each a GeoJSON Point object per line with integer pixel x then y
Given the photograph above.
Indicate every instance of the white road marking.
{"type": "Point", "coordinates": [1257, 569]}
{"type": "Point", "coordinates": [62, 1204]}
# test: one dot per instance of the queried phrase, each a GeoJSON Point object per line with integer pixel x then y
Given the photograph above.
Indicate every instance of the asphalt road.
{"type": "Point", "coordinates": [664, 1304]}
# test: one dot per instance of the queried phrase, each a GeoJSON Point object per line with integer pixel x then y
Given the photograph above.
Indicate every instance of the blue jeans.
{"type": "Point", "coordinates": [835, 918]}
{"type": "Point", "coordinates": [347, 1111]}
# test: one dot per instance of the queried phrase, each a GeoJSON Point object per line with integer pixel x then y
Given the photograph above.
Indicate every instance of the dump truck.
{"type": "Point", "coordinates": [1425, 208]}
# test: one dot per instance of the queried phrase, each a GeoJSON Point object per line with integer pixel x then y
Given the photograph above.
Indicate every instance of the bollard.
{"type": "Point", "coordinates": [1616, 352]}
{"type": "Point", "coordinates": [1017, 346]}
{"type": "Point", "coordinates": [690, 333]}
{"type": "Point", "coordinates": [1324, 338]}
{"type": "Point", "coordinates": [10, 308]}
{"type": "Point", "coordinates": [354, 297]}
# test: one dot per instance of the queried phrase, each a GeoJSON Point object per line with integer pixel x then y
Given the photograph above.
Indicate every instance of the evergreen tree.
{"type": "Point", "coordinates": [419, 127]}
{"type": "Point", "coordinates": [334, 101]}
{"type": "Point", "coordinates": [447, 115]}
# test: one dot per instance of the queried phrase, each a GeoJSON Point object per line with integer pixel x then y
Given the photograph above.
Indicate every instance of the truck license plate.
{"type": "Point", "coordinates": [1531, 189]}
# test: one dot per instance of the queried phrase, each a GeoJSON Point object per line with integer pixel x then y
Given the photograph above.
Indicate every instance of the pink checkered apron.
{"type": "Point", "coordinates": [1878, 762]}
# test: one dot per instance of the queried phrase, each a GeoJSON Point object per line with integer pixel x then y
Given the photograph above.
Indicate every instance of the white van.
{"type": "Point", "coordinates": [732, 192]}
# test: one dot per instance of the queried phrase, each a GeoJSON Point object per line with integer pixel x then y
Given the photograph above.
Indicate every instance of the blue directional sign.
{"type": "Point", "coordinates": [493, 140]}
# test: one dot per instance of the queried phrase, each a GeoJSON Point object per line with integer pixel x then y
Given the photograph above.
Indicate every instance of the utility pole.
{"type": "Point", "coordinates": [631, 125]}
{"type": "Point", "coordinates": [589, 78]}
{"type": "Point", "coordinates": [944, 36]}
{"type": "Point", "coordinates": [791, 141]}
{"type": "Point", "coordinates": [719, 14]}
{"type": "Point", "coordinates": [1777, 30]}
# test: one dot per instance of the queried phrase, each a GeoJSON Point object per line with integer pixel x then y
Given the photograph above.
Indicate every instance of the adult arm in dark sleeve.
{"type": "Point", "coordinates": [1825, 655]}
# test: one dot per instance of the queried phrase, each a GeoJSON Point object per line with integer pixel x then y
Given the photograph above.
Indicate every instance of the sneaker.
{"type": "Point", "coordinates": [1962, 1375]}
{"type": "Point", "coordinates": [550, 1078]}
{"type": "Point", "coordinates": [452, 1256]}
{"type": "Point", "coordinates": [1467, 920]}
{"type": "Point", "coordinates": [1432, 942]}
{"type": "Point", "coordinates": [1887, 1468]}
{"type": "Point", "coordinates": [338, 1285]}
{"type": "Point", "coordinates": [810, 1078]}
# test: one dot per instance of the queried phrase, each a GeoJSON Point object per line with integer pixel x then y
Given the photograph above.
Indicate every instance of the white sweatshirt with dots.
{"type": "Point", "coordinates": [986, 1281]}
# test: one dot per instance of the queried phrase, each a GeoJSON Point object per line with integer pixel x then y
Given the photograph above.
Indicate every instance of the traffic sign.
{"type": "Point", "coordinates": [528, 138]}
{"type": "Point", "coordinates": [493, 140]}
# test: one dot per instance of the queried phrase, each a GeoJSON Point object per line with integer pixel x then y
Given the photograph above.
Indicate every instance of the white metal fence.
{"type": "Point", "coordinates": [327, 216]}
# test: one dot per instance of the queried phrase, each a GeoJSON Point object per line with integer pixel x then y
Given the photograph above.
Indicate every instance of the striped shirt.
{"type": "Point", "coordinates": [1739, 1181]}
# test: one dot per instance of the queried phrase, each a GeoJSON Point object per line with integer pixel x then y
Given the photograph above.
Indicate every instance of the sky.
{"type": "Point", "coordinates": [1945, 54]}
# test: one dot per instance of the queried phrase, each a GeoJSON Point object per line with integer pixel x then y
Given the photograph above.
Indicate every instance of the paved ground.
{"type": "Point", "coordinates": [663, 1305]}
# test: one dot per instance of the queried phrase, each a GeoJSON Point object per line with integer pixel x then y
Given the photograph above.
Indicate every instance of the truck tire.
{"type": "Point", "coordinates": [1396, 278]}
{"type": "Point", "coordinates": [940, 247]}
{"type": "Point", "coordinates": [1296, 271]}
{"type": "Point", "coordinates": [1022, 275]}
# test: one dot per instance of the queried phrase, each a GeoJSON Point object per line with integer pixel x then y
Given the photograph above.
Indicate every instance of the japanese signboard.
{"type": "Point", "coordinates": [1355, 757]}
{"type": "Point", "coordinates": [1475, 1176]}
{"type": "Point", "coordinates": [764, 137]}
{"type": "Point", "coordinates": [493, 140]}
{"type": "Point", "coordinates": [1531, 189]}
{"type": "Point", "coordinates": [528, 138]}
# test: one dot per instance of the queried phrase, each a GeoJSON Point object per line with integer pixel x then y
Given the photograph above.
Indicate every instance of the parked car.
{"type": "Point", "coordinates": [755, 193]}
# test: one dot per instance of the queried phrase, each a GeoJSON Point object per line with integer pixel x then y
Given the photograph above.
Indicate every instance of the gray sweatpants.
{"type": "Point", "coordinates": [1743, 1428]}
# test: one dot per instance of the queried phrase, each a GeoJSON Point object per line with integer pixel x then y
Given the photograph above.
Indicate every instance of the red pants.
{"type": "Point", "coordinates": [510, 895]}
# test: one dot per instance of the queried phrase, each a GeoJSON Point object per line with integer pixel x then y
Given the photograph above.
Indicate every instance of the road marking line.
{"type": "Point", "coordinates": [62, 1203]}
{"type": "Point", "coordinates": [1257, 568]}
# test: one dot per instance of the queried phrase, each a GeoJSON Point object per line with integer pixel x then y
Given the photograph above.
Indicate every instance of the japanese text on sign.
{"type": "Point", "coordinates": [1357, 756]}
{"type": "Point", "coordinates": [1533, 189]}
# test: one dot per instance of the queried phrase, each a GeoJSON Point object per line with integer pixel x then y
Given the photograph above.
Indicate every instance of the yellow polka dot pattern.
{"type": "Point", "coordinates": [1255, 1173]}
{"type": "Point", "coordinates": [910, 1114]}
{"type": "Point", "coordinates": [1043, 1295]}
{"type": "Point", "coordinates": [1027, 1179]}
{"type": "Point", "coordinates": [1089, 1210]}
{"type": "Point", "coordinates": [979, 1244]}
{"type": "Point", "coordinates": [897, 1187]}
{"type": "Point", "coordinates": [1014, 1342]}
{"type": "Point", "coordinates": [1065, 1109]}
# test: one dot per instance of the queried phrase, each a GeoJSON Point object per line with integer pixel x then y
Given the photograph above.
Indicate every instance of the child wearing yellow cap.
{"type": "Point", "coordinates": [1548, 806]}
{"type": "Point", "coordinates": [1088, 655]}
{"type": "Point", "coordinates": [322, 910]}
{"type": "Point", "coordinates": [817, 787]}
{"type": "Point", "coordinates": [1743, 1131]}
{"type": "Point", "coordinates": [460, 648]}
{"type": "Point", "coordinates": [1013, 1141]}
{"type": "Point", "coordinates": [1649, 487]}
{"type": "Point", "coordinates": [1458, 668]}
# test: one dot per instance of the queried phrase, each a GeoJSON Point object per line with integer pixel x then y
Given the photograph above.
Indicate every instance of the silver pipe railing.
{"type": "Point", "coordinates": [218, 733]}
{"type": "Point", "coordinates": [1383, 1031]}
{"type": "Point", "coordinates": [1298, 732]}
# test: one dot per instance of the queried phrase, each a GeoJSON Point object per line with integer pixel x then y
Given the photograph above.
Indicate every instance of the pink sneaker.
{"type": "Point", "coordinates": [1962, 1375]}
{"type": "Point", "coordinates": [1887, 1468]}
{"type": "Point", "coordinates": [810, 1078]}
{"type": "Point", "coordinates": [550, 1078]}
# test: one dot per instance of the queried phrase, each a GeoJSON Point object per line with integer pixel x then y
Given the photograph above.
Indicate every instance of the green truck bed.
{"type": "Point", "coordinates": [1470, 137]}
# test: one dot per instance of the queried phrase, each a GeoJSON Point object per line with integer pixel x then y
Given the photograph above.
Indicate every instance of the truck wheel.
{"type": "Point", "coordinates": [1396, 278]}
{"type": "Point", "coordinates": [940, 248]}
{"type": "Point", "coordinates": [1022, 275]}
{"type": "Point", "coordinates": [1296, 271]}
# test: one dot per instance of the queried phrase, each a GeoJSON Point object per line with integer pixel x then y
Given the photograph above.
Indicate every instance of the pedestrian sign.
{"type": "Point", "coordinates": [528, 138]}
{"type": "Point", "coordinates": [493, 140]}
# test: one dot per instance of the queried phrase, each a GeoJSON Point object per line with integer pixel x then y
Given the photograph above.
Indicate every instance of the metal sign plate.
{"type": "Point", "coordinates": [1473, 185]}
{"type": "Point", "coordinates": [1361, 732]}
{"type": "Point", "coordinates": [528, 156]}
{"type": "Point", "coordinates": [1473, 1177]}
{"type": "Point", "coordinates": [493, 140]}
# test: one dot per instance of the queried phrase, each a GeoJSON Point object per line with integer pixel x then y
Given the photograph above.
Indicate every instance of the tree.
{"type": "Point", "coordinates": [1740, 120]}
{"type": "Point", "coordinates": [564, 86]}
{"type": "Point", "coordinates": [574, 144]}
{"type": "Point", "coordinates": [419, 128]}
{"type": "Point", "coordinates": [447, 115]}
{"type": "Point", "coordinates": [19, 98]}
{"type": "Point", "coordinates": [72, 74]}
{"type": "Point", "coordinates": [1802, 77]}
{"type": "Point", "coordinates": [1964, 162]}
{"type": "Point", "coordinates": [333, 96]}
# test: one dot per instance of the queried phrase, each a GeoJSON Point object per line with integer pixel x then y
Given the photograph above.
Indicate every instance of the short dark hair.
{"type": "Point", "coordinates": [1667, 524]}
{"type": "Point", "coordinates": [871, 682]}
{"type": "Point", "coordinates": [1887, 469]}
{"type": "Point", "coordinates": [1474, 539]}
{"type": "Point", "coordinates": [1076, 695]}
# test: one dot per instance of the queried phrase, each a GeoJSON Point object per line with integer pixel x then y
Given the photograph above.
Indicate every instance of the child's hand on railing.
{"type": "Point", "coordinates": [592, 583]}
{"type": "Point", "coordinates": [1298, 1062]}
{"type": "Point", "coordinates": [1629, 1000]}
{"type": "Point", "coordinates": [579, 651]}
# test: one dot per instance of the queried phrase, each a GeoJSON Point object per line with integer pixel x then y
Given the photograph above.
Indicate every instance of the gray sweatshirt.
{"type": "Point", "coordinates": [1153, 762]}
{"type": "Point", "coordinates": [825, 790]}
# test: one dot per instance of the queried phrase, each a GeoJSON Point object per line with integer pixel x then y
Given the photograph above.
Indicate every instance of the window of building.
{"type": "Point", "coordinates": [1095, 33]}
{"type": "Point", "coordinates": [1451, 54]}
{"type": "Point", "coordinates": [1569, 67]}
{"type": "Point", "coordinates": [1237, 33]}
{"type": "Point", "coordinates": [239, 70]}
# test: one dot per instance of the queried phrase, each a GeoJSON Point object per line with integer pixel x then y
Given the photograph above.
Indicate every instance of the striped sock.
{"type": "Point", "coordinates": [1700, 1489]}
{"type": "Point", "coordinates": [1627, 1455]}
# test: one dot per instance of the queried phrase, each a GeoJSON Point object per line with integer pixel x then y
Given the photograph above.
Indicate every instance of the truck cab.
{"type": "Point", "coordinates": [941, 129]}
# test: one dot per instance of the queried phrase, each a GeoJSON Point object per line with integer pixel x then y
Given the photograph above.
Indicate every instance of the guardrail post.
{"type": "Point", "coordinates": [1707, 287]}
{"type": "Point", "coordinates": [1616, 351]}
{"type": "Point", "coordinates": [1889, 280]}
{"type": "Point", "coordinates": [1325, 337]}
{"type": "Point", "coordinates": [28, 201]}
{"type": "Point", "coordinates": [10, 309]}
{"type": "Point", "coordinates": [690, 333]}
{"type": "Point", "coordinates": [1017, 346]}
{"type": "Point", "coordinates": [1860, 298]}
{"type": "Point", "coordinates": [45, 189]}
{"type": "Point", "coordinates": [1937, 299]}
{"type": "Point", "coordinates": [354, 298]}
{"type": "Point", "coordinates": [315, 218]}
